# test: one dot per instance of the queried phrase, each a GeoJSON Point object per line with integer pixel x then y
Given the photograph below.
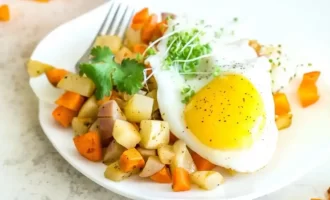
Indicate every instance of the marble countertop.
{"type": "Point", "coordinates": [30, 168]}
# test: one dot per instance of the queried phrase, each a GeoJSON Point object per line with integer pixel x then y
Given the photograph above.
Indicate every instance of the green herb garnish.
{"type": "Point", "coordinates": [168, 18]}
{"type": "Point", "coordinates": [106, 73]}
{"type": "Point", "coordinates": [129, 76]}
{"type": "Point", "coordinates": [184, 49]}
{"type": "Point", "coordinates": [216, 71]}
{"type": "Point", "coordinates": [151, 51]}
{"type": "Point", "coordinates": [139, 57]}
{"type": "Point", "coordinates": [186, 94]}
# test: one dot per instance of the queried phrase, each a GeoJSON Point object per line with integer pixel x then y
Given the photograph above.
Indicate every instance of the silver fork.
{"type": "Point", "coordinates": [116, 22]}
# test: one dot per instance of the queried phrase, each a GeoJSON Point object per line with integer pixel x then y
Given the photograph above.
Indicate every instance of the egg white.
{"type": "Point", "coordinates": [235, 57]}
{"type": "Point", "coordinates": [283, 67]}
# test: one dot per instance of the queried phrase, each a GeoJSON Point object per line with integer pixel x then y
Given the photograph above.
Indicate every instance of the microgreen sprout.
{"type": "Point", "coordinates": [187, 93]}
{"type": "Point", "coordinates": [139, 57]}
{"type": "Point", "coordinates": [193, 59]}
{"type": "Point", "coordinates": [159, 39]}
{"type": "Point", "coordinates": [168, 18]}
{"type": "Point", "coordinates": [186, 50]}
{"type": "Point", "coordinates": [145, 77]}
{"type": "Point", "coordinates": [151, 51]}
{"type": "Point", "coordinates": [216, 71]}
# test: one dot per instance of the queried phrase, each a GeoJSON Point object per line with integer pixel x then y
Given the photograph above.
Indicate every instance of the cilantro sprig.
{"type": "Point", "coordinates": [106, 73]}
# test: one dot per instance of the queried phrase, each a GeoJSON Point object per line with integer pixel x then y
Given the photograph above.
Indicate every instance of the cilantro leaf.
{"type": "Point", "coordinates": [128, 78]}
{"type": "Point", "coordinates": [100, 74]}
{"type": "Point", "coordinates": [104, 72]}
{"type": "Point", "coordinates": [100, 54]}
{"type": "Point", "coordinates": [99, 70]}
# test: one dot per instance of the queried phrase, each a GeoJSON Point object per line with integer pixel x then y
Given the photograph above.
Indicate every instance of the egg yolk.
{"type": "Point", "coordinates": [228, 113]}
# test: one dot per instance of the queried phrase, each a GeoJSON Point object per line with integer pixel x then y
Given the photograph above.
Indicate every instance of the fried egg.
{"type": "Point", "coordinates": [230, 120]}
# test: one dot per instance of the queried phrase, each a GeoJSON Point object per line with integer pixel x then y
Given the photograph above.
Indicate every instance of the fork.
{"type": "Point", "coordinates": [116, 23]}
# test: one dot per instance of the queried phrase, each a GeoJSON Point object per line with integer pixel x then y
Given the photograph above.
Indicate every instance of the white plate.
{"type": "Point", "coordinates": [306, 144]}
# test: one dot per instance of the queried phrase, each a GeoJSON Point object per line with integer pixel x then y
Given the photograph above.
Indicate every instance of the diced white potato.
{"type": "Point", "coordinates": [44, 90]}
{"type": "Point", "coordinates": [114, 173]}
{"type": "Point", "coordinates": [182, 157]}
{"type": "Point", "coordinates": [95, 126]}
{"type": "Point", "coordinates": [165, 153]}
{"type": "Point", "coordinates": [105, 130]}
{"type": "Point", "coordinates": [153, 94]}
{"type": "Point", "coordinates": [123, 53]}
{"type": "Point", "coordinates": [108, 113]}
{"type": "Point", "coordinates": [138, 108]}
{"type": "Point", "coordinates": [283, 121]}
{"type": "Point", "coordinates": [125, 134]}
{"type": "Point", "coordinates": [36, 68]}
{"type": "Point", "coordinates": [152, 166]}
{"type": "Point", "coordinates": [146, 152]}
{"type": "Point", "coordinates": [154, 133]}
{"type": "Point", "coordinates": [78, 84]}
{"type": "Point", "coordinates": [207, 180]}
{"type": "Point", "coordinates": [111, 41]}
{"type": "Point", "coordinates": [113, 152]}
{"type": "Point", "coordinates": [112, 110]}
{"type": "Point", "coordinates": [81, 125]}
{"type": "Point", "coordinates": [89, 109]}
{"type": "Point", "coordinates": [132, 37]}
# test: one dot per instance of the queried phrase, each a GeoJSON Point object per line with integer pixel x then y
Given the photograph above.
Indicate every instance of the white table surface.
{"type": "Point", "coordinates": [30, 168]}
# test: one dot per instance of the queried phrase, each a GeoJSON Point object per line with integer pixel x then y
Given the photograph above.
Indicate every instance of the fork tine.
{"type": "Point", "coordinates": [118, 14]}
{"type": "Point", "coordinates": [123, 16]}
{"type": "Point", "coordinates": [111, 17]}
{"type": "Point", "coordinates": [117, 19]}
{"type": "Point", "coordinates": [125, 22]}
{"type": "Point", "coordinates": [102, 31]}
{"type": "Point", "coordinates": [107, 21]}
